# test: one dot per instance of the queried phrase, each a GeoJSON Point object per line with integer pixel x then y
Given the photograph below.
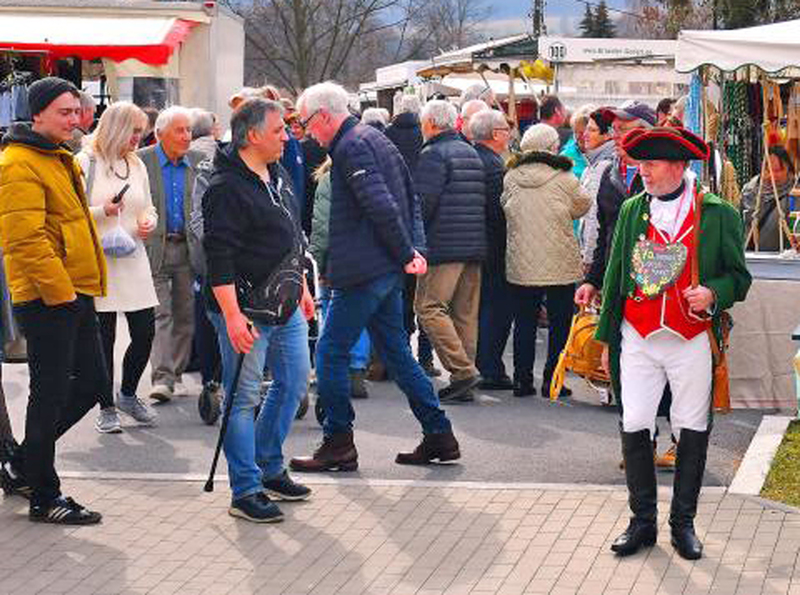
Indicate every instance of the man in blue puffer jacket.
{"type": "Point", "coordinates": [375, 226]}
{"type": "Point", "coordinates": [451, 183]}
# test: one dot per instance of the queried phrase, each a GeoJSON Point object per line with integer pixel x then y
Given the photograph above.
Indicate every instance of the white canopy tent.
{"type": "Point", "coordinates": [775, 49]}
{"type": "Point", "coordinates": [454, 84]}
{"type": "Point", "coordinates": [761, 350]}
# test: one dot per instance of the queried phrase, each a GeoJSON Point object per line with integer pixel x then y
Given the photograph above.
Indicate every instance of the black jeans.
{"type": "Point", "coordinates": [560, 308]}
{"type": "Point", "coordinates": [142, 328]}
{"type": "Point", "coordinates": [494, 324]}
{"type": "Point", "coordinates": [67, 373]}
{"type": "Point", "coordinates": [205, 340]}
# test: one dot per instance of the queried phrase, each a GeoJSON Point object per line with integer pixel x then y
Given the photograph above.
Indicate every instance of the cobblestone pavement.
{"type": "Point", "coordinates": [399, 538]}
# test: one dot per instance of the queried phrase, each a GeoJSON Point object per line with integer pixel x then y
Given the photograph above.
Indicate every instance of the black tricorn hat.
{"type": "Point", "coordinates": [664, 144]}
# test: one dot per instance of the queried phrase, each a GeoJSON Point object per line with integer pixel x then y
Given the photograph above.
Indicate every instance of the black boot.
{"type": "Point", "coordinates": [689, 468]}
{"type": "Point", "coordinates": [640, 474]}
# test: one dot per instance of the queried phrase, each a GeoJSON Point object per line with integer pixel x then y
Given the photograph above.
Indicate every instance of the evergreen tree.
{"type": "Point", "coordinates": [603, 26]}
{"type": "Point", "coordinates": [586, 26]}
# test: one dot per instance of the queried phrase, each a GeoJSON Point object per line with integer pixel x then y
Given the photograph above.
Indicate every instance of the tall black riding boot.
{"type": "Point", "coordinates": [689, 468]}
{"type": "Point", "coordinates": [640, 473]}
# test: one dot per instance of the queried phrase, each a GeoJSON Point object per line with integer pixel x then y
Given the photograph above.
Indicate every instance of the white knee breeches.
{"type": "Point", "coordinates": [646, 365]}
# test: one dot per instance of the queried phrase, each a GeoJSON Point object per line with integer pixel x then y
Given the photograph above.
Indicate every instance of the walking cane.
{"type": "Point", "coordinates": [209, 487]}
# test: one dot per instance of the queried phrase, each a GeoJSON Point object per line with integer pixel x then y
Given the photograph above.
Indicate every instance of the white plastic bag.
{"type": "Point", "coordinates": [118, 242]}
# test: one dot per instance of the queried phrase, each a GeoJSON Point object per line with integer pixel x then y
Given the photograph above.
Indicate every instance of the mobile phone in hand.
{"type": "Point", "coordinates": [120, 194]}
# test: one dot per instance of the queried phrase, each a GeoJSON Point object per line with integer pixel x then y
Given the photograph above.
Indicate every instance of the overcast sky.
{"type": "Point", "coordinates": [508, 17]}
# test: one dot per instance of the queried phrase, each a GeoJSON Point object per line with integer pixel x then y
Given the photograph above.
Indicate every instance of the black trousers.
{"type": "Point", "coordinates": [495, 318]}
{"type": "Point", "coordinates": [67, 373]}
{"type": "Point", "coordinates": [205, 340]}
{"type": "Point", "coordinates": [560, 308]}
{"type": "Point", "coordinates": [142, 329]}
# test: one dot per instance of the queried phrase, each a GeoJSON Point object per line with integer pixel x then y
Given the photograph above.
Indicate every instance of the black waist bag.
{"type": "Point", "coordinates": [274, 300]}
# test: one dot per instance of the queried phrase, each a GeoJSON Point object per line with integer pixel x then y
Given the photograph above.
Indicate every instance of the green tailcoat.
{"type": "Point", "coordinates": [722, 266]}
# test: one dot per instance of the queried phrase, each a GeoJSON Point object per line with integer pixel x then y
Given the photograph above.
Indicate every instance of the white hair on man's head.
{"type": "Point", "coordinates": [374, 115]}
{"type": "Point", "coordinates": [87, 101]}
{"type": "Point", "coordinates": [477, 91]}
{"type": "Point", "coordinates": [398, 95]}
{"type": "Point", "coordinates": [202, 123]}
{"type": "Point", "coordinates": [329, 96]}
{"type": "Point", "coordinates": [483, 124]}
{"type": "Point", "coordinates": [409, 104]}
{"type": "Point", "coordinates": [581, 115]}
{"type": "Point", "coordinates": [166, 117]}
{"type": "Point", "coordinates": [442, 114]}
{"type": "Point", "coordinates": [385, 113]}
{"type": "Point", "coordinates": [472, 107]}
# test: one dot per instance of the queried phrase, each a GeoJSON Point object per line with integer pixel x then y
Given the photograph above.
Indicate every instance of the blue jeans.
{"type": "Point", "coordinates": [359, 354]}
{"type": "Point", "coordinates": [253, 447]}
{"type": "Point", "coordinates": [378, 307]}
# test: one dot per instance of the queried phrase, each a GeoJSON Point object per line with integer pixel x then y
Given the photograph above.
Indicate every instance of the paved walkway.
{"type": "Point", "coordinates": [399, 538]}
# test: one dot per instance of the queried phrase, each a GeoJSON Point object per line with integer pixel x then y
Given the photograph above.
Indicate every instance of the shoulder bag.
{"type": "Point", "coordinates": [274, 300]}
{"type": "Point", "coordinates": [721, 396]}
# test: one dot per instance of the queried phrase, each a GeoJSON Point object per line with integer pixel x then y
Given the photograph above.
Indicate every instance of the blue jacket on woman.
{"type": "Point", "coordinates": [375, 223]}
{"type": "Point", "coordinates": [451, 184]}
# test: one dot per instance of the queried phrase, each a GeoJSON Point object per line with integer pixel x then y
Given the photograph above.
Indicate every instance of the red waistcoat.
{"type": "Point", "coordinates": [670, 310]}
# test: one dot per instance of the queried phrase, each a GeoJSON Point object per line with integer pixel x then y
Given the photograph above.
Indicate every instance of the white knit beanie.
{"type": "Point", "coordinates": [540, 137]}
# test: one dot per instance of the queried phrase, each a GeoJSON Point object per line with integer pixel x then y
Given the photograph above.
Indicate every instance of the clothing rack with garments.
{"type": "Point", "coordinates": [14, 98]}
{"type": "Point", "coordinates": [17, 71]}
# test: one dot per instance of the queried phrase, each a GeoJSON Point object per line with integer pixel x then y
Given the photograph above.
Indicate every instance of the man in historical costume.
{"type": "Point", "coordinates": [655, 323]}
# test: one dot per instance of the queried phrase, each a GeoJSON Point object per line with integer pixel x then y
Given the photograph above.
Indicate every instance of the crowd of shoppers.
{"type": "Point", "coordinates": [418, 223]}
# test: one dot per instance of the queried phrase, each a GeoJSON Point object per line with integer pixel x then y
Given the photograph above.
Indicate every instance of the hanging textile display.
{"type": "Point", "coordinates": [792, 142]}
{"type": "Point", "coordinates": [692, 118]}
{"type": "Point", "coordinates": [736, 130]}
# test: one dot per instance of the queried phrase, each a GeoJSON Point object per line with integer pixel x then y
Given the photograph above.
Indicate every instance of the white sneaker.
{"type": "Point", "coordinates": [180, 390]}
{"type": "Point", "coordinates": [134, 407]}
{"type": "Point", "coordinates": [162, 393]}
{"type": "Point", "coordinates": [108, 421]}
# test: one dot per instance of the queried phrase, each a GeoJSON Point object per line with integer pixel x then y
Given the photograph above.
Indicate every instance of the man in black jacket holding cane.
{"type": "Point", "coordinates": [251, 222]}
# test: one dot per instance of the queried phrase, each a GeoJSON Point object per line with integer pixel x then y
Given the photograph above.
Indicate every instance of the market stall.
{"type": "Point", "coordinates": [744, 98]}
{"type": "Point", "coordinates": [512, 59]}
{"type": "Point", "coordinates": [152, 53]}
{"type": "Point", "coordinates": [611, 71]}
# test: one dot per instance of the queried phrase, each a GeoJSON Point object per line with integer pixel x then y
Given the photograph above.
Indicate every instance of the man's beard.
{"type": "Point", "coordinates": [662, 188]}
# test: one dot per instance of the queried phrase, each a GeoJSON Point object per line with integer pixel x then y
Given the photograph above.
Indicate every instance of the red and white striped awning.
{"type": "Point", "coordinates": [151, 40]}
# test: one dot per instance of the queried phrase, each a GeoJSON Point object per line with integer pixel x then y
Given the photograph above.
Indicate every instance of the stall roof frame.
{"type": "Point", "coordinates": [774, 49]}
{"type": "Point", "coordinates": [490, 55]}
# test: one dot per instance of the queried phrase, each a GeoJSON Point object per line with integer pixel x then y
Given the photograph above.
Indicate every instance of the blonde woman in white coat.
{"type": "Point", "coordinates": [541, 198]}
{"type": "Point", "coordinates": [109, 164]}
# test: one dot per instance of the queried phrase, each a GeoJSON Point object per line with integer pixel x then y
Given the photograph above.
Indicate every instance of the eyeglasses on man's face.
{"type": "Point", "coordinates": [304, 123]}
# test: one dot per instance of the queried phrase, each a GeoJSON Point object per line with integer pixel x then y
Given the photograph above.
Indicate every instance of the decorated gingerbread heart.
{"type": "Point", "coordinates": [657, 266]}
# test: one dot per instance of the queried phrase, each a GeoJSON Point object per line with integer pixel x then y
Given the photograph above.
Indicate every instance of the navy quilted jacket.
{"type": "Point", "coordinates": [375, 220]}
{"type": "Point", "coordinates": [450, 182]}
{"type": "Point", "coordinates": [406, 134]}
{"type": "Point", "coordinates": [494, 170]}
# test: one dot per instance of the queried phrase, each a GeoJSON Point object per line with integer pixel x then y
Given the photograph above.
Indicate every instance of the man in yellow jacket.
{"type": "Point", "coordinates": [55, 267]}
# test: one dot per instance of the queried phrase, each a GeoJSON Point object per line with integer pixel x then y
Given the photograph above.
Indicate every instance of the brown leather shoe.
{"type": "Point", "coordinates": [376, 372]}
{"type": "Point", "coordinates": [358, 385]}
{"type": "Point", "coordinates": [336, 453]}
{"type": "Point", "coordinates": [441, 447]}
